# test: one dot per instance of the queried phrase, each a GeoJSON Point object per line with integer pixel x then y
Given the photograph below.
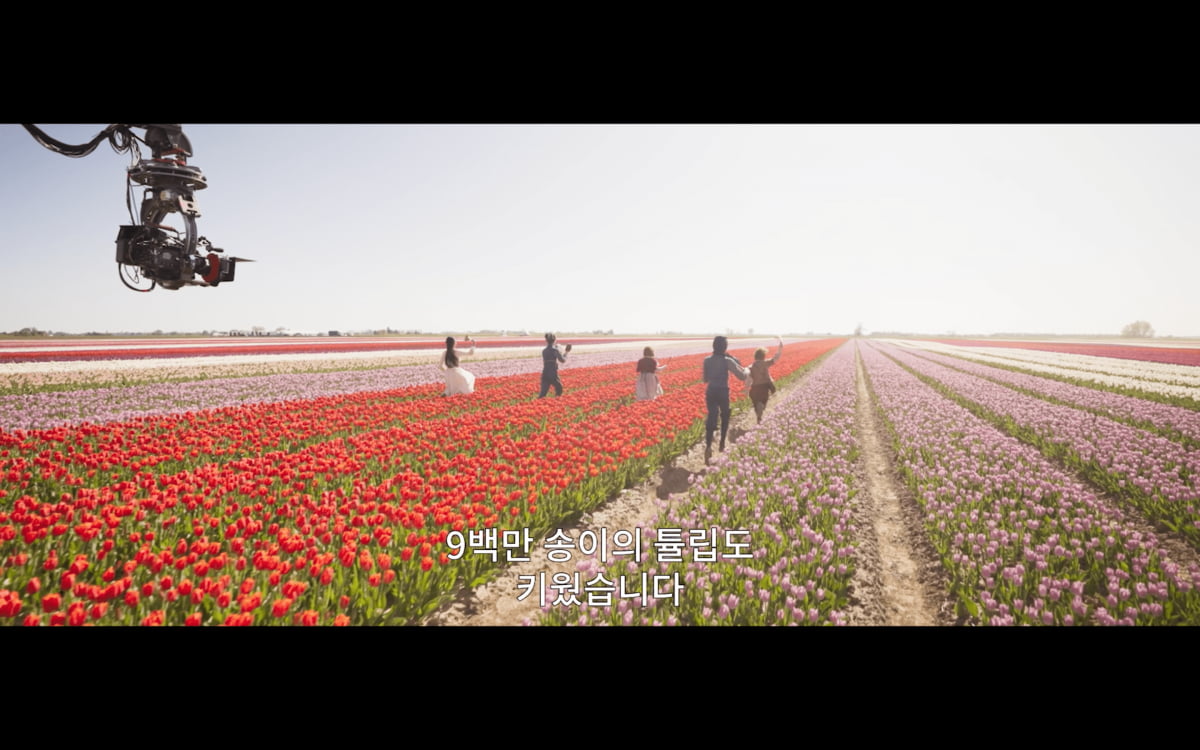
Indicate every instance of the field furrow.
{"type": "Point", "coordinates": [1023, 541]}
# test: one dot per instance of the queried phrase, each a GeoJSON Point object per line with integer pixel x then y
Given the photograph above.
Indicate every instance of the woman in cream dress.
{"type": "Point", "coordinates": [648, 386]}
{"type": "Point", "coordinates": [458, 380]}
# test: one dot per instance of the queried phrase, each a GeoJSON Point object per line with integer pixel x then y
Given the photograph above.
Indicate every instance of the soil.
{"type": "Point", "coordinates": [898, 580]}
{"type": "Point", "coordinates": [495, 603]}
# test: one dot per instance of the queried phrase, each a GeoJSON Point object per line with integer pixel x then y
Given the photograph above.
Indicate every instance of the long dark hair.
{"type": "Point", "coordinates": [720, 345]}
{"type": "Point", "coordinates": [450, 358]}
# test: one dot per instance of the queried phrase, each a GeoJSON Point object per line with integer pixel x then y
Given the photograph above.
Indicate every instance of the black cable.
{"type": "Point", "coordinates": [120, 137]}
{"type": "Point", "coordinates": [129, 199]}
{"type": "Point", "coordinates": [64, 148]}
{"type": "Point", "coordinates": [121, 274]}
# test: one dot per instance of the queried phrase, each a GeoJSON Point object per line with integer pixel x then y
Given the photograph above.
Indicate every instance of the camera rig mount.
{"type": "Point", "coordinates": [149, 252]}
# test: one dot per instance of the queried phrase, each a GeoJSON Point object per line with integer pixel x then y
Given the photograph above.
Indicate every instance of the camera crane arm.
{"type": "Point", "coordinates": [148, 249]}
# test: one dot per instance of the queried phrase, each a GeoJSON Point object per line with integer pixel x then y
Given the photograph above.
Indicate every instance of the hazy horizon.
{"type": "Point", "coordinates": [382, 333]}
{"type": "Point", "coordinates": [1069, 230]}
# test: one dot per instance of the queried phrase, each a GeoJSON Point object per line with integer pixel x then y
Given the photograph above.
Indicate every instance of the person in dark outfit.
{"type": "Point", "coordinates": [717, 369]}
{"type": "Point", "coordinates": [551, 356]}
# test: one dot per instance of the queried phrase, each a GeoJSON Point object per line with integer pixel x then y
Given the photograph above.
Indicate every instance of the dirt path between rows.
{"type": "Point", "coordinates": [899, 580]}
{"type": "Point", "coordinates": [496, 602]}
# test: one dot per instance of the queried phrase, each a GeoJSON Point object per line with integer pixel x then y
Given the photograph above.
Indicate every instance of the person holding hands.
{"type": "Point", "coordinates": [717, 369]}
{"type": "Point", "coordinates": [761, 383]}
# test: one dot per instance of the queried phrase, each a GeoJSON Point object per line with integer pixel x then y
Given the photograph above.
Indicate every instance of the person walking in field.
{"type": "Point", "coordinates": [551, 357]}
{"type": "Point", "coordinates": [458, 380]}
{"type": "Point", "coordinates": [648, 385]}
{"type": "Point", "coordinates": [761, 383]}
{"type": "Point", "coordinates": [717, 369]}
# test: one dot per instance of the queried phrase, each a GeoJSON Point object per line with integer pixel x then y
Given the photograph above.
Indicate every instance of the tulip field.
{"type": "Point", "coordinates": [1041, 499]}
{"type": "Point", "coordinates": [310, 498]}
{"type": "Point", "coordinates": [335, 486]}
{"type": "Point", "coordinates": [1043, 510]}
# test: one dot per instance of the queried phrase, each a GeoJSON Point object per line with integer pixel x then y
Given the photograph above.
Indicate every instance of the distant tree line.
{"type": "Point", "coordinates": [1138, 329]}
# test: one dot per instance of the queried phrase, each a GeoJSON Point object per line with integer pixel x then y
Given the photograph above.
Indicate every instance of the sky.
{"type": "Point", "coordinates": [933, 229]}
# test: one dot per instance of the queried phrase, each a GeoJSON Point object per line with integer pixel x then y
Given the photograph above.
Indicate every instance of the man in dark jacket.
{"type": "Point", "coordinates": [717, 370]}
{"type": "Point", "coordinates": [551, 356]}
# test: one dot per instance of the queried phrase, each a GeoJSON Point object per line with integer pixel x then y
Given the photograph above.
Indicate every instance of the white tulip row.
{"type": "Point", "coordinates": [1171, 380]}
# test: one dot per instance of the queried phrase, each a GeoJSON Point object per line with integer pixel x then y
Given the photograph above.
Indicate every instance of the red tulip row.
{"type": "Point", "coordinates": [63, 352]}
{"type": "Point", "coordinates": [92, 455]}
{"type": "Point", "coordinates": [325, 512]}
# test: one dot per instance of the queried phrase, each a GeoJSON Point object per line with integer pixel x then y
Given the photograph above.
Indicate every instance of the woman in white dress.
{"type": "Point", "coordinates": [458, 380]}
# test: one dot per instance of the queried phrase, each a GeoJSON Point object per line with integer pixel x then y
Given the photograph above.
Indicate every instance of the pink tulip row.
{"type": "Point", "coordinates": [1168, 419]}
{"type": "Point", "coordinates": [1023, 541]}
{"type": "Point", "coordinates": [1160, 475]}
{"type": "Point", "coordinates": [43, 410]}
{"type": "Point", "coordinates": [787, 484]}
